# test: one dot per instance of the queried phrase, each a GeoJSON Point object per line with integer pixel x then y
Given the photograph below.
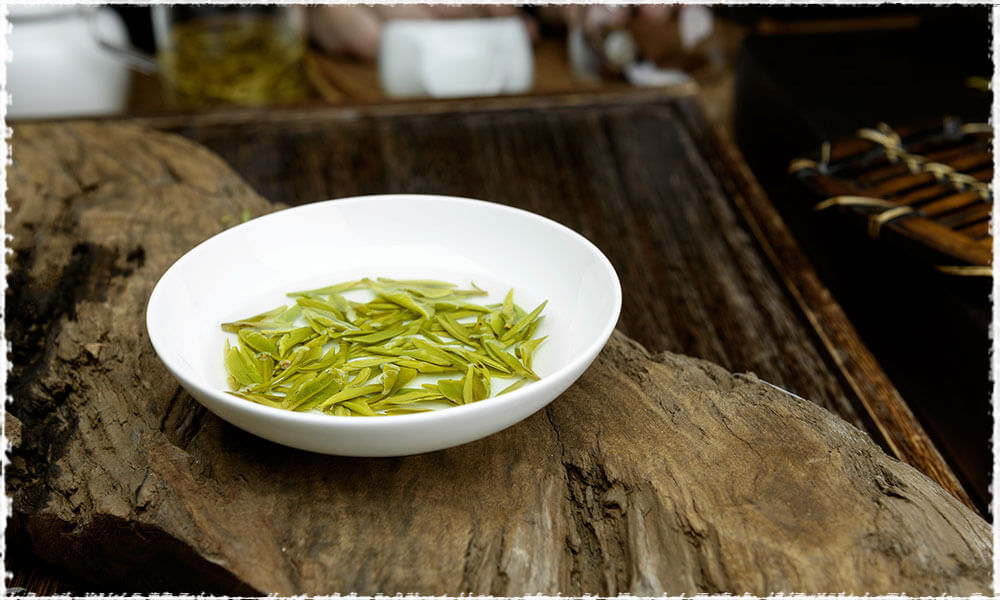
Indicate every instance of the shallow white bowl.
{"type": "Point", "coordinates": [249, 268]}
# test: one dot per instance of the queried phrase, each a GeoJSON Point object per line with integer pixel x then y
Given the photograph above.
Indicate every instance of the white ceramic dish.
{"type": "Point", "coordinates": [249, 268]}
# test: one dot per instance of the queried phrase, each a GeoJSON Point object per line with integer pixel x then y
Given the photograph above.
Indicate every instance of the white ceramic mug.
{"type": "Point", "coordinates": [453, 58]}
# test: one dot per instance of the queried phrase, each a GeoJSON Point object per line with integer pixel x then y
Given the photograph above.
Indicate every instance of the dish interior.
{"type": "Point", "coordinates": [249, 269]}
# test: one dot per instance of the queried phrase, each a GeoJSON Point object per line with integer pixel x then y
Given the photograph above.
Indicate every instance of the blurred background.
{"type": "Point", "coordinates": [836, 67]}
{"type": "Point", "coordinates": [74, 61]}
{"type": "Point", "coordinates": [134, 59]}
{"type": "Point", "coordinates": [780, 81]}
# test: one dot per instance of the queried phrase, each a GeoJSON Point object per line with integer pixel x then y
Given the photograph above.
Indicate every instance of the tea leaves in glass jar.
{"type": "Point", "coordinates": [244, 57]}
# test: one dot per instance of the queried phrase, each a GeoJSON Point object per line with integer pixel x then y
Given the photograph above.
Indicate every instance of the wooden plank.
{"type": "Point", "coordinates": [969, 214]}
{"type": "Point", "coordinates": [943, 239]}
{"type": "Point", "coordinates": [978, 231]}
{"type": "Point", "coordinates": [920, 196]}
{"type": "Point", "coordinates": [827, 26]}
{"type": "Point", "coordinates": [950, 203]}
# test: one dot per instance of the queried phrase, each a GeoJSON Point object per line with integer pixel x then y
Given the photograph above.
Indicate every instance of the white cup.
{"type": "Point", "coordinates": [59, 64]}
{"type": "Point", "coordinates": [454, 58]}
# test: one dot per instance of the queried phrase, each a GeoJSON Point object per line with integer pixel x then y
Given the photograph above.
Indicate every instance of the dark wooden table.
{"type": "Point", "coordinates": [707, 266]}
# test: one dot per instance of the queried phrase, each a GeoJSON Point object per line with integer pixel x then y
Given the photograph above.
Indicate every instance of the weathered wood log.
{"type": "Point", "coordinates": [652, 474]}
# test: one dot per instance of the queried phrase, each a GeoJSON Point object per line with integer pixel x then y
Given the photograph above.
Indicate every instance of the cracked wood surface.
{"type": "Point", "coordinates": [654, 473]}
{"type": "Point", "coordinates": [708, 266]}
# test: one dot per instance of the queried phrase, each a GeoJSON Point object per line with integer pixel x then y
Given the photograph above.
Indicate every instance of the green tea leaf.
{"type": "Point", "coordinates": [522, 324]}
{"type": "Point", "coordinates": [350, 393]}
{"type": "Point", "coordinates": [313, 392]}
{"type": "Point", "coordinates": [258, 342]}
{"type": "Point", "coordinates": [337, 288]}
{"type": "Point", "coordinates": [235, 326]}
{"type": "Point", "coordinates": [520, 383]}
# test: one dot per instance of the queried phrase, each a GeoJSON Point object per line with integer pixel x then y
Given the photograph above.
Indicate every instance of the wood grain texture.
{"type": "Point", "coordinates": [655, 473]}
{"type": "Point", "coordinates": [97, 214]}
{"type": "Point", "coordinates": [626, 174]}
{"type": "Point", "coordinates": [640, 175]}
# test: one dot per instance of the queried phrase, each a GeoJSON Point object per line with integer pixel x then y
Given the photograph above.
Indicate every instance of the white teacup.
{"type": "Point", "coordinates": [60, 64]}
{"type": "Point", "coordinates": [453, 58]}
